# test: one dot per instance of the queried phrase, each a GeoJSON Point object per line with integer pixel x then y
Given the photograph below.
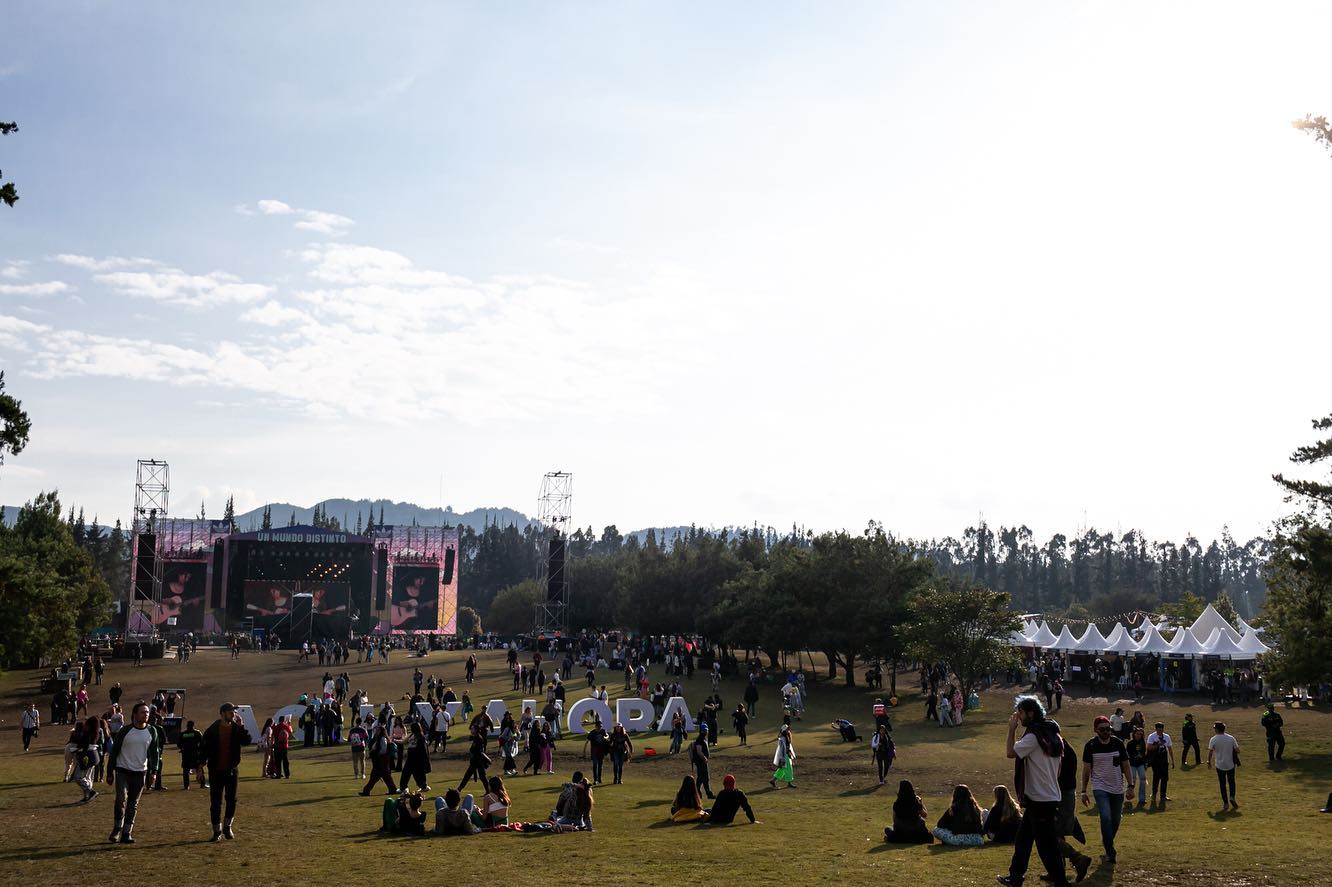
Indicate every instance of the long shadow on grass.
{"type": "Point", "coordinates": [854, 792]}
{"type": "Point", "coordinates": [298, 802]}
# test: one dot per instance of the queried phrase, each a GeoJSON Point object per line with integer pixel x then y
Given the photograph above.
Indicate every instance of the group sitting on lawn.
{"type": "Point", "coordinates": [964, 824]}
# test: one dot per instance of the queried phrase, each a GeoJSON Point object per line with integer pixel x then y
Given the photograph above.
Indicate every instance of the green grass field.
{"type": "Point", "coordinates": [829, 829]}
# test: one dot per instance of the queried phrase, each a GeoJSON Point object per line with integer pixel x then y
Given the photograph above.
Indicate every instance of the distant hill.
{"type": "Point", "coordinates": [347, 510]}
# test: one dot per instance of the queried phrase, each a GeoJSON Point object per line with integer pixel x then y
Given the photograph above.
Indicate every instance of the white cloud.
{"type": "Point", "coordinates": [274, 313]}
{"type": "Point", "coordinates": [322, 222]}
{"type": "Point", "coordinates": [14, 269]}
{"type": "Point", "coordinates": [318, 221]}
{"type": "Point", "coordinates": [275, 208]}
{"type": "Point", "coordinates": [88, 263]}
{"type": "Point", "coordinates": [177, 287]}
{"type": "Point", "coordinates": [47, 288]}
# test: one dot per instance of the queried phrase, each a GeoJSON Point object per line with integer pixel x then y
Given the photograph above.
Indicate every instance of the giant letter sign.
{"type": "Point", "coordinates": [588, 706]}
{"type": "Point", "coordinates": [675, 704]}
{"type": "Point", "coordinates": [635, 714]}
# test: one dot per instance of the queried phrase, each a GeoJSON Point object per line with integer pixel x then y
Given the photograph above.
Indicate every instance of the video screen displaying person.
{"type": "Point", "coordinates": [184, 595]}
{"type": "Point", "coordinates": [415, 602]}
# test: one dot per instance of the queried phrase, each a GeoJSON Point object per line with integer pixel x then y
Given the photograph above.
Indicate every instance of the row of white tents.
{"type": "Point", "coordinates": [1209, 635]}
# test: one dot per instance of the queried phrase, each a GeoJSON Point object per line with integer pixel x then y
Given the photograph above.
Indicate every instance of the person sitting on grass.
{"type": "Point", "coordinates": [730, 800]}
{"type": "Point", "coordinates": [688, 806]}
{"type": "Point", "coordinates": [454, 820]}
{"type": "Point", "coordinates": [495, 805]}
{"type": "Point", "coordinates": [908, 818]}
{"type": "Point", "coordinates": [961, 824]}
{"type": "Point", "coordinates": [1002, 822]}
{"type": "Point", "coordinates": [411, 818]}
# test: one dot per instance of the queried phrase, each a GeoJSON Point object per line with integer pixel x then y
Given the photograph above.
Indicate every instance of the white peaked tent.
{"type": "Point", "coordinates": [1211, 619]}
{"type": "Point", "coordinates": [1092, 641]}
{"type": "Point", "coordinates": [1018, 639]}
{"type": "Point", "coordinates": [1251, 644]}
{"type": "Point", "coordinates": [1221, 644]}
{"type": "Point", "coordinates": [1119, 640]}
{"type": "Point", "coordinates": [1151, 643]}
{"type": "Point", "coordinates": [1244, 627]}
{"type": "Point", "coordinates": [1042, 637]}
{"type": "Point", "coordinates": [1184, 644]}
{"type": "Point", "coordinates": [1064, 642]}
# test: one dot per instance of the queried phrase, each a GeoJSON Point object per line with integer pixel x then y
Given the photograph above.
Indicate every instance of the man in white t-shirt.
{"type": "Point", "coordinates": [1161, 757]}
{"type": "Point", "coordinates": [1040, 751]}
{"type": "Point", "coordinates": [1223, 750]}
{"type": "Point", "coordinates": [31, 722]}
{"type": "Point", "coordinates": [134, 755]}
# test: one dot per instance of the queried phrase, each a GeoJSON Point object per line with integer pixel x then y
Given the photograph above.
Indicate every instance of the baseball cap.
{"type": "Point", "coordinates": [1099, 720]}
{"type": "Point", "coordinates": [226, 707]}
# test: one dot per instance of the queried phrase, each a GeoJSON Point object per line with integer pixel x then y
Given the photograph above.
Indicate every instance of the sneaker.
{"type": "Point", "coordinates": [772, 782]}
{"type": "Point", "coordinates": [1081, 866]}
{"type": "Point", "coordinates": [92, 796]}
{"type": "Point", "coordinates": [1233, 803]}
{"type": "Point", "coordinates": [227, 832]}
{"type": "Point", "coordinates": [1008, 881]}
{"type": "Point", "coordinates": [115, 836]}
{"type": "Point", "coordinates": [217, 836]}
{"type": "Point", "coordinates": [127, 838]}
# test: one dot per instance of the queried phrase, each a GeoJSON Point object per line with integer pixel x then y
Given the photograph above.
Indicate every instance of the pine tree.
{"type": "Point", "coordinates": [267, 523]}
{"type": "Point", "coordinates": [381, 514]}
{"type": "Point", "coordinates": [202, 514]}
{"type": "Point", "coordinates": [292, 522]}
{"type": "Point", "coordinates": [229, 515]}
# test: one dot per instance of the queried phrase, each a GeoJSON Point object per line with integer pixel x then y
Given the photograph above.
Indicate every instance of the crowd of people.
{"type": "Point", "coordinates": [128, 750]}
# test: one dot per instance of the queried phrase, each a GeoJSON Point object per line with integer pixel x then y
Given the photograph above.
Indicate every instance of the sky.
{"type": "Point", "coordinates": [1051, 264]}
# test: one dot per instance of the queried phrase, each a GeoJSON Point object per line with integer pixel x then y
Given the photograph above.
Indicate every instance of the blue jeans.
{"type": "Point", "coordinates": [1110, 805]}
{"type": "Point", "coordinates": [617, 765]}
{"type": "Point", "coordinates": [1140, 777]}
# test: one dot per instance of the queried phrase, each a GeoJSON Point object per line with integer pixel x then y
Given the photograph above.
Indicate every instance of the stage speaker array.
{"type": "Point", "coordinates": [555, 571]}
{"type": "Point", "coordinates": [145, 565]}
{"type": "Point", "coordinates": [448, 566]}
{"type": "Point", "coordinates": [219, 555]}
{"type": "Point", "coordinates": [381, 577]}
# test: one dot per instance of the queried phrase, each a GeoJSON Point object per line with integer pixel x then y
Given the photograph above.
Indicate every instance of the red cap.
{"type": "Point", "coordinates": [1099, 720]}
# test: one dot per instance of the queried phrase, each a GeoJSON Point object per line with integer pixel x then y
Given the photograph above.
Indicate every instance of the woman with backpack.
{"type": "Point", "coordinates": [87, 754]}
{"type": "Point", "coordinates": [620, 750]}
{"type": "Point", "coordinates": [740, 720]}
{"type": "Point", "coordinates": [883, 750]}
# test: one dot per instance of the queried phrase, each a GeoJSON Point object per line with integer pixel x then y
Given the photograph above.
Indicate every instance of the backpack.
{"type": "Point", "coordinates": [390, 815]}
{"type": "Point", "coordinates": [86, 758]}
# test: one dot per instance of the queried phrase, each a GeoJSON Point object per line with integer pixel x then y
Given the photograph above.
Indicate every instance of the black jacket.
{"type": "Point", "coordinates": [240, 737]}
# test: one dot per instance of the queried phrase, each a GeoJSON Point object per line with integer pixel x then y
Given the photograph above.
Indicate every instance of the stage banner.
{"type": "Point", "coordinates": [185, 596]}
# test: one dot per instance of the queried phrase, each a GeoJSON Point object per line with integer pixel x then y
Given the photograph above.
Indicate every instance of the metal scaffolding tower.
{"type": "Point", "coordinates": [554, 521]}
{"type": "Point", "coordinates": [152, 491]}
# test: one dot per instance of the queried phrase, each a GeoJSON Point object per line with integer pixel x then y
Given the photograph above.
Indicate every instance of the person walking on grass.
{"type": "Point", "coordinates": [881, 747]}
{"type": "Point", "coordinates": [1037, 754]}
{"type": "Point", "coordinates": [358, 736]}
{"type": "Point", "coordinates": [1137, 754]}
{"type": "Point", "coordinates": [620, 749]}
{"type": "Point", "coordinates": [190, 744]}
{"type": "Point", "coordinates": [222, 744]}
{"type": "Point", "coordinates": [1276, 740]}
{"type": "Point", "coordinates": [740, 720]}
{"type": "Point", "coordinates": [1223, 751]}
{"type": "Point", "coordinates": [31, 722]}
{"type": "Point", "coordinates": [1189, 736]}
{"type": "Point", "coordinates": [784, 759]}
{"type": "Point", "coordinates": [281, 765]}
{"type": "Point", "coordinates": [1105, 765]}
{"type": "Point", "coordinates": [134, 757]}
{"type": "Point", "coordinates": [1161, 755]}
{"type": "Point", "coordinates": [380, 768]}
{"type": "Point", "coordinates": [87, 755]}
{"type": "Point", "coordinates": [699, 758]}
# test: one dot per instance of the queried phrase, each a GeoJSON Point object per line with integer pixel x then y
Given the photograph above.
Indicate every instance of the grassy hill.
{"type": "Point", "coordinates": [829, 829]}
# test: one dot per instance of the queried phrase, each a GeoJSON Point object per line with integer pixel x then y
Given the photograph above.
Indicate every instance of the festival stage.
{"type": "Point", "coordinates": [293, 582]}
